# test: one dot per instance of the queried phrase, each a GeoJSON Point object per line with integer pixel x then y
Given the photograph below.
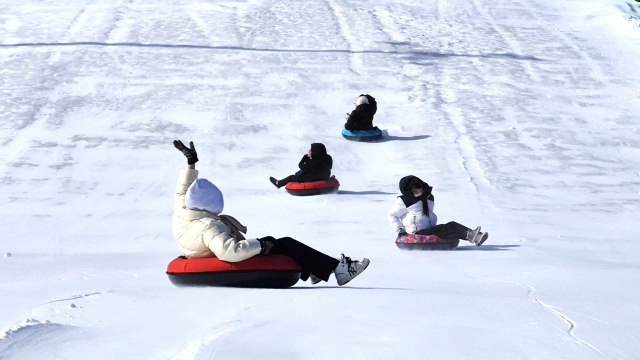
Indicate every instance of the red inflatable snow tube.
{"type": "Point", "coordinates": [262, 271]}
{"type": "Point", "coordinates": [313, 188]}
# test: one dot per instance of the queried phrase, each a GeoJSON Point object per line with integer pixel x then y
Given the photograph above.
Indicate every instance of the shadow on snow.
{"type": "Point", "coordinates": [345, 287]}
{"type": "Point", "coordinates": [432, 54]}
{"type": "Point", "coordinates": [416, 55]}
{"type": "Point", "coordinates": [488, 248]}
{"type": "Point", "coordinates": [387, 137]}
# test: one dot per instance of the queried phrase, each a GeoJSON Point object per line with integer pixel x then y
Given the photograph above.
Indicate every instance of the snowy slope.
{"type": "Point", "coordinates": [523, 116]}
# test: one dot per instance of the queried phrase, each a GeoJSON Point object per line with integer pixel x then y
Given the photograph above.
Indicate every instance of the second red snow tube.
{"type": "Point", "coordinates": [425, 242]}
{"type": "Point", "coordinates": [313, 188]}
{"type": "Point", "coordinates": [270, 271]}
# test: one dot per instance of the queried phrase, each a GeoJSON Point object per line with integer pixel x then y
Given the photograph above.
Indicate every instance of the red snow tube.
{"type": "Point", "coordinates": [313, 188]}
{"type": "Point", "coordinates": [425, 242]}
{"type": "Point", "coordinates": [270, 271]}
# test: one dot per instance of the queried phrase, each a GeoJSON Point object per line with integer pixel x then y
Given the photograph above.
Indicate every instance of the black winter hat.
{"type": "Point", "coordinates": [407, 182]}
{"type": "Point", "coordinates": [318, 150]}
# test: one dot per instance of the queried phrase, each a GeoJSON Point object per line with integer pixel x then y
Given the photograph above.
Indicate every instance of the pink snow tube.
{"type": "Point", "coordinates": [425, 242]}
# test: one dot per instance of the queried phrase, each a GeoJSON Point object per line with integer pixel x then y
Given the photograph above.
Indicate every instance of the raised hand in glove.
{"type": "Point", "coordinates": [402, 232]}
{"type": "Point", "coordinates": [189, 152]}
{"type": "Point", "coordinates": [267, 243]}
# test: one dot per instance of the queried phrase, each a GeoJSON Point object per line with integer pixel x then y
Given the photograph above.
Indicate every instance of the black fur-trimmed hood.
{"type": "Point", "coordinates": [407, 195]}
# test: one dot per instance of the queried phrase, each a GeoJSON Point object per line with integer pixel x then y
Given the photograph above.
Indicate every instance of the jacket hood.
{"type": "Point", "coordinates": [405, 188]}
{"type": "Point", "coordinates": [318, 150]}
{"type": "Point", "coordinates": [367, 105]}
{"type": "Point", "coordinates": [203, 195]}
{"type": "Point", "coordinates": [362, 99]}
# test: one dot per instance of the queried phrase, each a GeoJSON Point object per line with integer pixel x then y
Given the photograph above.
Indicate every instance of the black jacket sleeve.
{"type": "Point", "coordinates": [303, 163]}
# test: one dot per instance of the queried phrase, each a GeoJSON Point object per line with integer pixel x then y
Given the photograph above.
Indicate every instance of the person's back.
{"type": "Point", "coordinates": [189, 226]}
{"type": "Point", "coordinates": [362, 117]}
{"type": "Point", "coordinates": [197, 226]}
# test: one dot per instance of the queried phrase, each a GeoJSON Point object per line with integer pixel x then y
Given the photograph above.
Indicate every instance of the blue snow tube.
{"type": "Point", "coordinates": [362, 135]}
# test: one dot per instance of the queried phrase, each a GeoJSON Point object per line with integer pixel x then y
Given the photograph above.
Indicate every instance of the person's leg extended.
{"type": "Point", "coordinates": [450, 230]}
{"type": "Point", "coordinates": [310, 260]}
{"type": "Point", "coordinates": [288, 179]}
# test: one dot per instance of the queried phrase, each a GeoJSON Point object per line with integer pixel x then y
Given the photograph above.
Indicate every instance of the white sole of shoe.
{"type": "Point", "coordinates": [484, 238]}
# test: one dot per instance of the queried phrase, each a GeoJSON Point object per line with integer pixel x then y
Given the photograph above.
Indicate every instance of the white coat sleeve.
{"type": "Point", "coordinates": [227, 248]}
{"type": "Point", "coordinates": [397, 211]}
{"type": "Point", "coordinates": [185, 179]}
{"type": "Point", "coordinates": [433, 218]}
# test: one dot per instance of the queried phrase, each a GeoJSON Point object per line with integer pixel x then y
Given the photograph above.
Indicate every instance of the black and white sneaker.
{"type": "Point", "coordinates": [348, 269]}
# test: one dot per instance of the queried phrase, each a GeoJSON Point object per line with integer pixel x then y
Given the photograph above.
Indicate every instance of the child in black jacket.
{"type": "Point", "coordinates": [315, 166]}
{"type": "Point", "coordinates": [362, 117]}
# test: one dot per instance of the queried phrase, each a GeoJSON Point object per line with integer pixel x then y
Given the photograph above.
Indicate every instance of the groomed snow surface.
{"type": "Point", "coordinates": [523, 116]}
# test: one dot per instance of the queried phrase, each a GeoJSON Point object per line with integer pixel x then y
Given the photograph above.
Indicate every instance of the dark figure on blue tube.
{"type": "Point", "coordinates": [362, 117]}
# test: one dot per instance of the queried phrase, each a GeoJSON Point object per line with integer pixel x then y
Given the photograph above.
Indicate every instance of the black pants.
{"type": "Point", "coordinates": [451, 230]}
{"type": "Point", "coordinates": [310, 260]}
{"type": "Point", "coordinates": [288, 179]}
{"type": "Point", "coordinates": [302, 179]}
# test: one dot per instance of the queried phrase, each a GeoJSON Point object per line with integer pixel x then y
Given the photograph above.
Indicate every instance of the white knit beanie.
{"type": "Point", "coordinates": [362, 100]}
{"type": "Point", "coordinates": [203, 195]}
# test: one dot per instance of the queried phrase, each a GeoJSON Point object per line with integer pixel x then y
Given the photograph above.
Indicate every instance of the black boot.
{"type": "Point", "coordinates": [274, 182]}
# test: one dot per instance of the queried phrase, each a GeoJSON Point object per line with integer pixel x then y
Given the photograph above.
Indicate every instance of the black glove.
{"type": "Point", "coordinates": [266, 243]}
{"type": "Point", "coordinates": [402, 232]}
{"type": "Point", "coordinates": [189, 152]}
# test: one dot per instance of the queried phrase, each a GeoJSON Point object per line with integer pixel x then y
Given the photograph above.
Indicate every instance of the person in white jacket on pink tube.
{"type": "Point", "coordinates": [202, 231]}
{"type": "Point", "coordinates": [412, 213]}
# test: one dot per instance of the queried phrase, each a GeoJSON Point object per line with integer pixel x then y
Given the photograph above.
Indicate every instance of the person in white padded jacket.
{"type": "Point", "coordinates": [413, 213]}
{"type": "Point", "coordinates": [201, 231]}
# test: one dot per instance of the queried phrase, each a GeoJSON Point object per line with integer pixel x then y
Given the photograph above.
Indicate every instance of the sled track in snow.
{"type": "Point", "coordinates": [354, 64]}
{"type": "Point", "coordinates": [572, 324]}
{"type": "Point", "coordinates": [511, 42]}
{"type": "Point", "coordinates": [596, 70]}
{"type": "Point", "coordinates": [74, 297]}
{"type": "Point", "coordinates": [191, 351]}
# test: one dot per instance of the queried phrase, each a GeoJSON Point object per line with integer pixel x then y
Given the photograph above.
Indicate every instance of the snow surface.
{"type": "Point", "coordinates": [523, 116]}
